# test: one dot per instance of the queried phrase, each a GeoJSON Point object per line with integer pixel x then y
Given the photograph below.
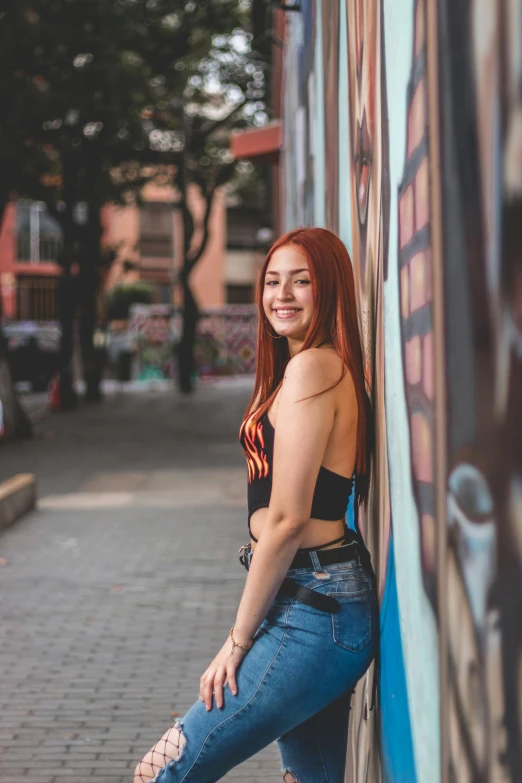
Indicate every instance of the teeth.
{"type": "Point", "coordinates": [286, 312]}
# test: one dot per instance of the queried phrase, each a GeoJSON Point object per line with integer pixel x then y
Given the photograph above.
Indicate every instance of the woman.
{"type": "Point", "coordinates": [306, 626]}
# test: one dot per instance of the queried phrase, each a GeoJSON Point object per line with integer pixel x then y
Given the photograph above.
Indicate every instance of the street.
{"type": "Point", "coordinates": [120, 588]}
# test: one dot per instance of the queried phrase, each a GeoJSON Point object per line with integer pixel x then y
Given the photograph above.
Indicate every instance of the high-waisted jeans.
{"type": "Point", "coordinates": [294, 685]}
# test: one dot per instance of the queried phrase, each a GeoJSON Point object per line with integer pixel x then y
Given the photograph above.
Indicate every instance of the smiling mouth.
{"type": "Point", "coordinates": [284, 312]}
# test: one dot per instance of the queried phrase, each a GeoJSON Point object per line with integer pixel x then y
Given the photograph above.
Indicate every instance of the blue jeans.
{"type": "Point", "coordinates": [294, 685]}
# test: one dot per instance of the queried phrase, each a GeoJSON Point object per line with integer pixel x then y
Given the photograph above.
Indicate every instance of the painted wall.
{"type": "Point", "coordinates": [403, 133]}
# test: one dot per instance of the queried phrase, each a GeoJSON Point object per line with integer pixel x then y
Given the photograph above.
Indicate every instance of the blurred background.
{"type": "Point", "coordinates": [150, 153]}
{"type": "Point", "coordinates": [120, 188]}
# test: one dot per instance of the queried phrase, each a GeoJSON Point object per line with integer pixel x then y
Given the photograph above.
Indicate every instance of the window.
{"type": "Point", "coordinates": [156, 230]}
{"type": "Point", "coordinates": [37, 298]}
{"type": "Point", "coordinates": [242, 227]}
{"type": "Point", "coordinates": [39, 237]}
{"type": "Point", "coordinates": [240, 294]}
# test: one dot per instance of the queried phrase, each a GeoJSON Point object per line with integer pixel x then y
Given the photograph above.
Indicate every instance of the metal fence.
{"type": "Point", "coordinates": [37, 298]}
{"type": "Point", "coordinates": [38, 248]}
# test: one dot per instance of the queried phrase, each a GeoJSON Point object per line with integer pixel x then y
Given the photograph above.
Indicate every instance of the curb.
{"type": "Point", "coordinates": [17, 497]}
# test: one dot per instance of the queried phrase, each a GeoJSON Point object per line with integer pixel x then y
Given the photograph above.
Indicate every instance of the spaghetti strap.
{"type": "Point", "coordinates": [309, 548]}
{"type": "Point", "coordinates": [251, 534]}
{"type": "Point", "coordinates": [321, 546]}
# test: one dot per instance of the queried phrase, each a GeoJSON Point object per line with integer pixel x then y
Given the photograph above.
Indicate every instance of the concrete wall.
{"type": "Point", "coordinates": [403, 134]}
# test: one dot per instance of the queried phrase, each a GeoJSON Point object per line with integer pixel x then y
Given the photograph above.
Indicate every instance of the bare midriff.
{"type": "Point", "coordinates": [318, 531]}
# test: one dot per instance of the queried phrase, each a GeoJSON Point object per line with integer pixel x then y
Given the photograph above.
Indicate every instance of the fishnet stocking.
{"type": "Point", "coordinates": [166, 749]}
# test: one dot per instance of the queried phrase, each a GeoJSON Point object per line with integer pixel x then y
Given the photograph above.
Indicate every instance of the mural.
{"type": "Point", "coordinates": [416, 307]}
{"type": "Point", "coordinates": [225, 340]}
{"type": "Point", "coordinates": [330, 45]}
{"type": "Point", "coordinates": [370, 219]}
{"type": "Point", "coordinates": [300, 141]}
{"type": "Point", "coordinates": [434, 228]}
{"type": "Point", "coordinates": [369, 187]}
{"type": "Point", "coordinates": [481, 224]}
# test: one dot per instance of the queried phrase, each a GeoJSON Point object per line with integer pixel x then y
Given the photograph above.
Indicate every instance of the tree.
{"type": "Point", "coordinates": [224, 93]}
{"type": "Point", "coordinates": [120, 299]}
{"type": "Point", "coordinates": [104, 96]}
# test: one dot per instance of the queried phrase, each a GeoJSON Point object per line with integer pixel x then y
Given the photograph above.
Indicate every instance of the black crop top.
{"type": "Point", "coordinates": [331, 492]}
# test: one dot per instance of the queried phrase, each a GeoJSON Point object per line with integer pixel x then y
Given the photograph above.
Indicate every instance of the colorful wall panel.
{"type": "Point", "coordinates": [406, 117]}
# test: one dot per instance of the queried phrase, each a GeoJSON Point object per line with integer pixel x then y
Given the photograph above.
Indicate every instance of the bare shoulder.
{"type": "Point", "coordinates": [312, 371]}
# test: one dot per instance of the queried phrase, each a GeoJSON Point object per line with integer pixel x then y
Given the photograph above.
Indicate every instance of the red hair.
{"type": "Point", "coordinates": [334, 319]}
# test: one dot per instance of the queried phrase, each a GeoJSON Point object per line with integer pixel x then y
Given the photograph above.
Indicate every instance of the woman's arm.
{"type": "Point", "coordinates": [302, 432]}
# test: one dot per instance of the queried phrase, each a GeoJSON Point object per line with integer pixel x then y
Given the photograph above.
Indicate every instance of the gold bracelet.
{"type": "Point", "coordinates": [235, 644]}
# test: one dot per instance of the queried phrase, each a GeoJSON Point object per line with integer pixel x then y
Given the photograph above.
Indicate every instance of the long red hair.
{"type": "Point", "coordinates": [334, 319]}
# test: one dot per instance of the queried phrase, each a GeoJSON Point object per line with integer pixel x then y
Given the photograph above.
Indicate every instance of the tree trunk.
{"type": "Point", "coordinates": [4, 200]}
{"type": "Point", "coordinates": [67, 286]}
{"type": "Point", "coordinates": [186, 360]}
{"type": "Point", "coordinates": [16, 423]}
{"type": "Point", "coordinates": [88, 290]}
{"type": "Point", "coordinates": [67, 301]}
{"type": "Point", "coordinates": [91, 370]}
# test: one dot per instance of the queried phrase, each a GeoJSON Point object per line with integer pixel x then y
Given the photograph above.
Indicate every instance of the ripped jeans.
{"type": "Point", "coordinates": [294, 686]}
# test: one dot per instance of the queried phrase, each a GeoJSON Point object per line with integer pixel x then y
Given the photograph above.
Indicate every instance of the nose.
{"type": "Point", "coordinates": [285, 290]}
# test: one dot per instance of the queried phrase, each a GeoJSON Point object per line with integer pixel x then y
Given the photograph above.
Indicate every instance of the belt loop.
{"type": "Point", "coordinates": [245, 555]}
{"type": "Point", "coordinates": [315, 560]}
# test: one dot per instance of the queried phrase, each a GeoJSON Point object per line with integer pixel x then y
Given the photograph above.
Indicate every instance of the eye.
{"type": "Point", "coordinates": [270, 282]}
{"type": "Point", "coordinates": [303, 280]}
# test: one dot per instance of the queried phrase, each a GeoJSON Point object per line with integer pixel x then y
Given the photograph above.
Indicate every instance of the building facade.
{"type": "Point", "coordinates": [148, 246]}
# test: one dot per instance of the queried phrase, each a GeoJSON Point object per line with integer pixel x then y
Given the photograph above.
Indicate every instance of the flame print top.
{"type": "Point", "coordinates": [252, 439]}
{"type": "Point", "coordinates": [257, 438]}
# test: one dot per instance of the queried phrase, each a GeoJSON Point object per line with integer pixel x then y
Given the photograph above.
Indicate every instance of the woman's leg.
{"type": "Point", "coordinates": [315, 751]}
{"type": "Point", "coordinates": [280, 682]}
{"type": "Point", "coordinates": [205, 742]}
{"type": "Point", "coordinates": [166, 749]}
{"type": "Point", "coordinates": [303, 659]}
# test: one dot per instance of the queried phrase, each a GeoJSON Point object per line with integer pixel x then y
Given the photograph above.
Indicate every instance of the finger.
{"type": "Point", "coordinates": [206, 690]}
{"type": "Point", "coordinates": [219, 681]}
{"type": "Point", "coordinates": [231, 678]}
{"type": "Point", "coordinates": [202, 681]}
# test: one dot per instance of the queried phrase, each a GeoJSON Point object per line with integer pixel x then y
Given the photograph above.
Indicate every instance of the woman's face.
{"type": "Point", "coordinates": [287, 294]}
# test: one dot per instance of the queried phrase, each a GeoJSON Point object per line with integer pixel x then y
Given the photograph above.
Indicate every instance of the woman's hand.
{"type": "Point", "coordinates": [221, 670]}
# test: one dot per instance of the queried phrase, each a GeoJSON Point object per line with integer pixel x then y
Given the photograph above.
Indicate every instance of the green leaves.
{"type": "Point", "coordinates": [126, 77]}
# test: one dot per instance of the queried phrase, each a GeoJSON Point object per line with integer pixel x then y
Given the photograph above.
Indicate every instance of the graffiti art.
{"type": "Point", "coordinates": [434, 227]}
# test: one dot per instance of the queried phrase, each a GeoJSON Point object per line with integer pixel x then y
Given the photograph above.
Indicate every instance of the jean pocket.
{"type": "Point", "coordinates": [352, 624]}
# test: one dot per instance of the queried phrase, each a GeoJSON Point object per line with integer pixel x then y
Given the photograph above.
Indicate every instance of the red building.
{"type": "Point", "coordinates": [29, 246]}
{"type": "Point", "coordinates": [148, 241]}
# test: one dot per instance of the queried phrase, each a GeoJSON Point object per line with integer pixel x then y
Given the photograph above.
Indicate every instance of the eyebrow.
{"type": "Point", "coordinates": [292, 272]}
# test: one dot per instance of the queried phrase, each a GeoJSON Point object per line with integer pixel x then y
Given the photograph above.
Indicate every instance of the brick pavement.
{"type": "Point", "coordinates": [111, 607]}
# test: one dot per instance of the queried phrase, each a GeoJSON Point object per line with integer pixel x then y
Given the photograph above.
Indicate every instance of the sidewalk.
{"type": "Point", "coordinates": [121, 587]}
{"type": "Point", "coordinates": [35, 404]}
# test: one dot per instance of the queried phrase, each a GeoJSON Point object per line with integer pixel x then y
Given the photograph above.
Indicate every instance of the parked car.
{"type": "Point", "coordinates": [33, 352]}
